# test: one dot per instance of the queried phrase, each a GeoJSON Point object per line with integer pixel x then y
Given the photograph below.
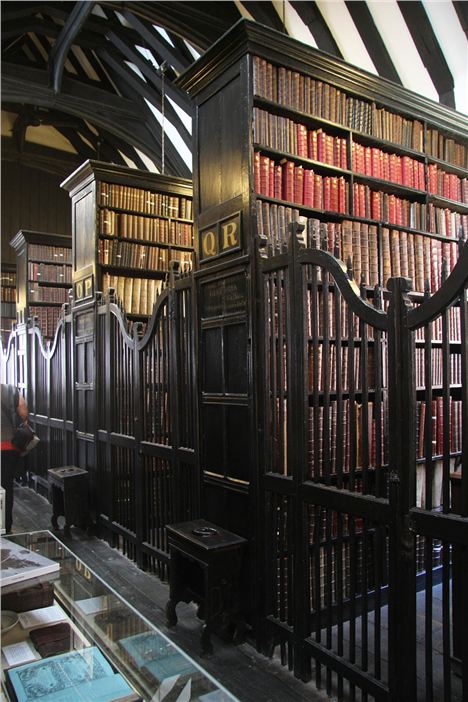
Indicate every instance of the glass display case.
{"type": "Point", "coordinates": [99, 623]}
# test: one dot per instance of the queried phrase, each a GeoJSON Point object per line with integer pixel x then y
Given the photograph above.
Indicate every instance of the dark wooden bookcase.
{"type": "Point", "coordinates": [127, 226]}
{"type": "Point", "coordinates": [8, 299]}
{"type": "Point", "coordinates": [386, 176]}
{"type": "Point", "coordinates": [43, 276]}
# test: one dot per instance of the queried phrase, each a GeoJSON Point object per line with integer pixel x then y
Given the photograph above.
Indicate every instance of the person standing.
{"type": "Point", "coordinates": [12, 404]}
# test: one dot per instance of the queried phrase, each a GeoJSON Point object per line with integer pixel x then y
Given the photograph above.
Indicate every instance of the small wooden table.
{"type": "Point", "coordinates": [205, 569]}
{"type": "Point", "coordinates": [68, 489]}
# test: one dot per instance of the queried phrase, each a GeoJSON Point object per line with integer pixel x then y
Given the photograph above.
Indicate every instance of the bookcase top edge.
{"type": "Point", "coordinates": [28, 236]}
{"type": "Point", "coordinates": [91, 169]}
{"type": "Point", "coordinates": [249, 37]}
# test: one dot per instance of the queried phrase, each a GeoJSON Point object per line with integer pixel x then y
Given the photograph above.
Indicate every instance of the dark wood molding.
{"type": "Point", "coordinates": [40, 158]}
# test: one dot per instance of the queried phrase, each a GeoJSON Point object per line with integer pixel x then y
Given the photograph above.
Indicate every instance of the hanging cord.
{"type": "Point", "coordinates": [162, 70]}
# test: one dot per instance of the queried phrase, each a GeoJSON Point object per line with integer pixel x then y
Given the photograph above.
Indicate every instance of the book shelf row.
{"type": "Point", "coordinates": [42, 293]}
{"type": "Point", "coordinates": [403, 253]}
{"type": "Point", "coordinates": [121, 254]}
{"type": "Point", "coordinates": [137, 295]}
{"type": "Point", "coordinates": [144, 201]}
{"type": "Point", "coordinates": [48, 252]}
{"type": "Point", "coordinates": [280, 133]}
{"type": "Point", "coordinates": [323, 376]}
{"type": "Point", "coordinates": [447, 185]}
{"type": "Point", "coordinates": [338, 322]}
{"type": "Point", "coordinates": [47, 319]}
{"type": "Point", "coordinates": [295, 184]}
{"type": "Point", "coordinates": [49, 273]}
{"type": "Point", "coordinates": [437, 435]}
{"type": "Point", "coordinates": [307, 95]}
{"type": "Point", "coordinates": [8, 293]}
{"type": "Point", "coordinates": [437, 368]}
{"type": "Point", "coordinates": [119, 224]}
{"type": "Point", "coordinates": [326, 458]}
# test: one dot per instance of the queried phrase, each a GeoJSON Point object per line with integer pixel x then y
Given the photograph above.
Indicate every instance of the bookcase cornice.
{"type": "Point", "coordinates": [247, 37]}
{"type": "Point", "coordinates": [98, 170]}
{"type": "Point", "coordinates": [25, 236]}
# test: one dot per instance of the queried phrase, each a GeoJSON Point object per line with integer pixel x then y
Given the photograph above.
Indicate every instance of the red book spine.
{"type": "Point", "coordinates": [264, 175]}
{"type": "Point", "coordinates": [278, 184]}
{"type": "Point", "coordinates": [320, 146]}
{"type": "Point", "coordinates": [299, 185]}
{"type": "Point", "coordinates": [318, 192]}
{"type": "Point", "coordinates": [288, 180]}
{"type": "Point", "coordinates": [308, 188]}
{"type": "Point", "coordinates": [327, 203]}
{"type": "Point", "coordinates": [302, 141]}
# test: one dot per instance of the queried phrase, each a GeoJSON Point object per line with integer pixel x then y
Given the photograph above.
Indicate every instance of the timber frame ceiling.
{"type": "Point", "coordinates": [99, 76]}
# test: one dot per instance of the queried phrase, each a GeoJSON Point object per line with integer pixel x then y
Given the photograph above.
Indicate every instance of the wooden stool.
{"type": "Point", "coordinates": [68, 492]}
{"type": "Point", "coordinates": [205, 568]}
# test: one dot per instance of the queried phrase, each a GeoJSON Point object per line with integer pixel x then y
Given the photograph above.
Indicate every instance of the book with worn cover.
{"type": "Point", "coordinates": [19, 564]}
{"type": "Point", "coordinates": [80, 676]}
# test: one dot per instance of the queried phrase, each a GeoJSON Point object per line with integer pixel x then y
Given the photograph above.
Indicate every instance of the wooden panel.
{"type": "Point", "coordinates": [220, 143]}
{"type": "Point", "coordinates": [31, 199]}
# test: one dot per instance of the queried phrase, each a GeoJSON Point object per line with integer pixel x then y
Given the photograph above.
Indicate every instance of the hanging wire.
{"type": "Point", "coordinates": [162, 70]}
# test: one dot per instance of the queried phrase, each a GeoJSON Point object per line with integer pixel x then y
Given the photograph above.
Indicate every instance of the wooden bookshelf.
{"type": "Point", "coordinates": [8, 299]}
{"type": "Point", "coordinates": [378, 175]}
{"type": "Point", "coordinates": [44, 276]}
{"type": "Point", "coordinates": [127, 227]}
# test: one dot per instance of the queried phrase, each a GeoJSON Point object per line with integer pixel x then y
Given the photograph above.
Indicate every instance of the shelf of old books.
{"type": "Point", "coordinates": [67, 635]}
{"type": "Point", "coordinates": [44, 273]}
{"type": "Point", "coordinates": [8, 299]}
{"type": "Point", "coordinates": [139, 222]}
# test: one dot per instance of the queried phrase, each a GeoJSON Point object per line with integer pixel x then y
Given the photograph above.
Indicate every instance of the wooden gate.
{"type": "Point", "coordinates": [342, 517]}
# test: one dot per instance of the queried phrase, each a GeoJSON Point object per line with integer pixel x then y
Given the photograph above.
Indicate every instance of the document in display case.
{"type": "Point", "coordinates": [101, 649]}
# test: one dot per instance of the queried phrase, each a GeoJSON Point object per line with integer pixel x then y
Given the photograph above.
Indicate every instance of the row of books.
{"type": "Point", "coordinates": [446, 222]}
{"type": "Point", "coordinates": [417, 257]}
{"type": "Point", "coordinates": [8, 309]}
{"type": "Point", "coordinates": [47, 319]}
{"type": "Point", "coordinates": [120, 224]}
{"type": "Point", "coordinates": [47, 252]}
{"type": "Point", "coordinates": [445, 148]}
{"type": "Point", "coordinates": [321, 376]}
{"type": "Point", "coordinates": [113, 252]}
{"type": "Point", "coordinates": [323, 455]}
{"type": "Point", "coordinates": [137, 295]}
{"type": "Point", "coordinates": [49, 273]}
{"type": "Point", "coordinates": [305, 94]}
{"type": "Point", "coordinates": [331, 314]}
{"type": "Point", "coordinates": [283, 134]}
{"type": "Point", "coordinates": [446, 185]}
{"type": "Point", "coordinates": [295, 184]}
{"type": "Point", "coordinates": [453, 326]}
{"type": "Point", "coordinates": [8, 294]}
{"type": "Point", "coordinates": [386, 166]}
{"type": "Point", "coordinates": [145, 201]}
{"type": "Point", "coordinates": [42, 293]}
{"type": "Point", "coordinates": [436, 409]}
{"type": "Point", "coordinates": [437, 368]}
{"type": "Point", "coordinates": [386, 207]}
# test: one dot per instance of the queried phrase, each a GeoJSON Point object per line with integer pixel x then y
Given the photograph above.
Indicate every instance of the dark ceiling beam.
{"type": "Point", "coordinates": [265, 13]}
{"type": "Point", "coordinates": [153, 40]}
{"type": "Point", "coordinates": [84, 150]}
{"type": "Point", "coordinates": [429, 49]}
{"type": "Point", "coordinates": [38, 57]}
{"type": "Point", "coordinates": [313, 19]}
{"type": "Point", "coordinates": [119, 115]}
{"type": "Point", "coordinates": [461, 8]}
{"type": "Point", "coordinates": [150, 72]}
{"type": "Point", "coordinates": [125, 148]}
{"type": "Point", "coordinates": [40, 157]}
{"type": "Point", "coordinates": [373, 42]}
{"type": "Point", "coordinates": [65, 39]}
{"type": "Point", "coordinates": [47, 46]}
{"type": "Point", "coordinates": [33, 25]}
{"type": "Point", "coordinates": [145, 90]}
{"type": "Point", "coordinates": [174, 164]}
{"type": "Point", "coordinates": [18, 10]}
{"type": "Point", "coordinates": [194, 21]}
{"type": "Point", "coordinates": [181, 47]}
